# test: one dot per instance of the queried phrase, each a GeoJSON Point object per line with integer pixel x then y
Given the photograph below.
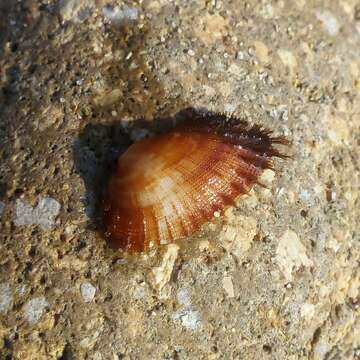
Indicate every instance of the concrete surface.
{"type": "Point", "coordinates": [276, 277]}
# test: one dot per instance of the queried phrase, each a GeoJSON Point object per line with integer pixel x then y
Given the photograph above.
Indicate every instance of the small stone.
{"type": "Point", "coordinates": [211, 28]}
{"type": "Point", "coordinates": [21, 290]}
{"type": "Point", "coordinates": [329, 21]}
{"type": "Point", "coordinates": [183, 297]}
{"type": "Point", "coordinates": [5, 298]}
{"type": "Point", "coordinates": [89, 342]}
{"type": "Point", "coordinates": [97, 356]}
{"type": "Point", "coordinates": [291, 254]}
{"type": "Point", "coordinates": [307, 311]}
{"type": "Point", "coordinates": [191, 52]}
{"type": "Point", "coordinates": [242, 55]}
{"type": "Point", "coordinates": [43, 214]}
{"type": "Point", "coordinates": [228, 286]}
{"type": "Point", "coordinates": [280, 113]}
{"type": "Point", "coordinates": [237, 71]}
{"type": "Point", "coordinates": [217, 214]}
{"type": "Point", "coordinates": [267, 177]}
{"type": "Point", "coordinates": [35, 308]}
{"type": "Point", "coordinates": [120, 16]}
{"type": "Point", "coordinates": [305, 195]}
{"type": "Point", "coordinates": [162, 273]}
{"type": "Point", "coordinates": [204, 245]}
{"type": "Point", "coordinates": [74, 10]}
{"type": "Point", "coordinates": [209, 91]}
{"type": "Point", "coordinates": [189, 318]}
{"type": "Point", "coordinates": [139, 292]}
{"type": "Point", "coordinates": [288, 59]}
{"type": "Point", "coordinates": [338, 129]}
{"type": "Point", "coordinates": [262, 52]}
{"type": "Point", "coordinates": [229, 108]}
{"type": "Point", "coordinates": [87, 291]}
{"type": "Point", "coordinates": [238, 235]}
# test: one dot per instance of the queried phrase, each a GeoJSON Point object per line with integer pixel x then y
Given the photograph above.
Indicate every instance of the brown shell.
{"type": "Point", "coordinates": [166, 187]}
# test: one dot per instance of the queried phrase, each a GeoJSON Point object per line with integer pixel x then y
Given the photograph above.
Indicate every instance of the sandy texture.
{"type": "Point", "coordinates": [276, 277]}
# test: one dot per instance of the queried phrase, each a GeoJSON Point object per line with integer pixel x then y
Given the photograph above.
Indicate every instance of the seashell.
{"type": "Point", "coordinates": [164, 188]}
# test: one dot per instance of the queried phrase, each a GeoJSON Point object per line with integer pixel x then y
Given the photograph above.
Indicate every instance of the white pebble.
{"type": "Point", "coordinates": [228, 286]}
{"type": "Point", "coordinates": [183, 297]}
{"type": "Point", "coordinates": [5, 298]}
{"type": "Point", "coordinates": [43, 214]}
{"type": "Point", "coordinates": [118, 16]}
{"type": "Point", "coordinates": [87, 291]}
{"type": "Point", "coordinates": [305, 195]}
{"type": "Point", "coordinates": [229, 108]}
{"type": "Point", "coordinates": [35, 308]}
{"type": "Point", "coordinates": [189, 318]}
{"type": "Point", "coordinates": [329, 21]}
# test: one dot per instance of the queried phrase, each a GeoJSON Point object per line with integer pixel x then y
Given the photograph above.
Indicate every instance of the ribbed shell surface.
{"type": "Point", "coordinates": [166, 187]}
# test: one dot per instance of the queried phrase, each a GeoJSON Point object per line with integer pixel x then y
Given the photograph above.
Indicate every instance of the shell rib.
{"type": "Point", "coordinates": [166, 187]}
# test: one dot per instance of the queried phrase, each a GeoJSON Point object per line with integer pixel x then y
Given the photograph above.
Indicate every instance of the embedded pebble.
{"type": "Point", "coordinates": [183, 297]}
{"type": "Point", "coordinates": [262, 52]}
{"type": "Point", "coordinates": [288, 59]}
{"type": "Point", "coordinates": [291, 254]}
{"type": "Point", "coordinates": [21, 290]}
{"type": "Point", "coordinates": [120, 16]}
{"type": "Point", "coordinates": [97, 356]}
{"type": "Point", "coordinates": [89, 342]}
{"type": "Point", "coordinates": [267, 177]}
{"type": "Point", "coordinates": [189, 318]}
{"type": "Point", "coordinates": [43, 214]}
{"type": "Point", "coordinates": [329, 21]}
{"type": "Point", "coordinates": [87, 291]}
{"type": "Point", "coordinates": [280, 113]}
{"type": "Point", "coordinates": [35, 308]}
{"type": "Point", "coordinates": [162, 274]}
{"type": "Point", "coordinates": [238, 234]}
{"type": "Point", "coordinates": [5, 298]}
{"type": "Point", "coordinates": [229, 108]}
{"type": "Point", "coordinates": [228, 286]}
{"type": "Point", "coordinates": [307, 311]}
{"type": "Point", "coordinates": [74, 10]}
{"type": "Point", "coordinates": [305, 195]}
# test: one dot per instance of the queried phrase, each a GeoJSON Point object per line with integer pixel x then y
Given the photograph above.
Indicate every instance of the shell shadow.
{"type": "Point", "coordinates": [143, 98]}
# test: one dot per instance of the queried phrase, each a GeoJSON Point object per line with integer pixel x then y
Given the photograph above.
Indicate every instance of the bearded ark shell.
{"type": "Point", "coordinates": [164, 188]}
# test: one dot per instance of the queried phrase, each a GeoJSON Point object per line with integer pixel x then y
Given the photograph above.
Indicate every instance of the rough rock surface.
{"type": "Point", "coordinates": [277, 277]}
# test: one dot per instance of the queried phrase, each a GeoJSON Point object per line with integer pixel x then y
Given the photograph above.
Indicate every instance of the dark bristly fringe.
{"type": "Point", "coordinates": [235, 131]}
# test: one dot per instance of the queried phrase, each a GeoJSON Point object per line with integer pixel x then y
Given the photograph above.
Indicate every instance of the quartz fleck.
{"type": "Point", "coordinates": [189, 318]}
{"type": "Point", "coordinates": [87, 291]}
{"type": "Point", "coordinates": [5, 298]}
{"type": "Point", "coordinates": [43, 214]}
{"type": "Point", "coordinates": [35, 308]}
{"type": "Point", "coordinates": [291, 254]}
